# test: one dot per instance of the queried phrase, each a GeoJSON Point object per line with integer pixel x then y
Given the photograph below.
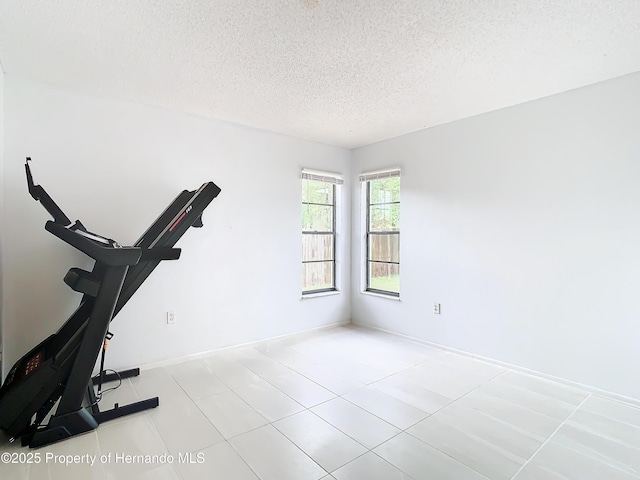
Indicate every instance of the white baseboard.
{"type": "Point", "coordinates": [209, 353]}
{"type": "Point", "coordinates": [587, 388]}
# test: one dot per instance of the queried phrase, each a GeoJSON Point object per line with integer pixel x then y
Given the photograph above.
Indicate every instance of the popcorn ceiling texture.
{"type": "Point", "coordinates": [343, 72]}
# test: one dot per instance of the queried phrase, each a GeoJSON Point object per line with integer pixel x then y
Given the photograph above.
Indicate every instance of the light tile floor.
{"type": "Point", "coordinates": [348, 404]}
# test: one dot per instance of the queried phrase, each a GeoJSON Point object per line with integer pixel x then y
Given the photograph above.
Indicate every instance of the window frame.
{"type": "Point", "coordinates": [333, 180]}
{"type": "Point", "coordinates": [366, 179]}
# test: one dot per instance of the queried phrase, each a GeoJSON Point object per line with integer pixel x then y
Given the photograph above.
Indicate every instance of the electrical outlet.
{"type": "Point", "coordinates": [171, 317]}
{"type": "Point", "coordinates": [436, 308]}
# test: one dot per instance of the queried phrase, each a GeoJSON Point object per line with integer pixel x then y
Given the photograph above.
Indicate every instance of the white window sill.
{"type": "Point", "coordinates": [320, 294]}
{"type": "Point", "coordinates": [380, 295]}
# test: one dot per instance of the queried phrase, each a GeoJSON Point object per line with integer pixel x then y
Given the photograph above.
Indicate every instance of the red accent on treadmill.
{"type": "Point", "coordinates": [175, 224]}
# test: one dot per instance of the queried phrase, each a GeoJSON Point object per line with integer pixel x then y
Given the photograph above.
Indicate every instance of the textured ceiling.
{"type": "Point", "coordinates": [343, 72]}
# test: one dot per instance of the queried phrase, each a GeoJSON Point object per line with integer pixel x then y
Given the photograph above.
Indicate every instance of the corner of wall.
{"type": "Point", "coordinates": [352, 254]}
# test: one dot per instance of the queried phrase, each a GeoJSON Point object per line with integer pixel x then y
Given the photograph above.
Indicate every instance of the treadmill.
{"type": "Point", "coordinates": [58, 370]}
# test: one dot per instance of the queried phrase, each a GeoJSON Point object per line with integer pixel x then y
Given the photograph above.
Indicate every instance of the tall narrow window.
{"type": "Point", "coordinates": [319, 192]}
{"type": "Point", "coordinates": [382, 220]}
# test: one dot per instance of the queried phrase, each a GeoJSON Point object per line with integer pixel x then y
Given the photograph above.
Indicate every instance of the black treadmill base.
{"type": "Point", "coordinates": [110, 377]}
{"type": "Point", "coordinates": [121, 411]}
{"type": "Point", "coordinates": [61, 427]}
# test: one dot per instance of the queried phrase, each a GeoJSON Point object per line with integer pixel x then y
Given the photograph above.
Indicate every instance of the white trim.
{"type": "Point", "coordinates": [386, 173]}
{"type": "Point", "coordinates": [364, 206]}
{"type": "Point", "coordinates": [320, 294]}
{"type": "Point", "coordinates": [362, 261]}
{"type": "Point", "coordinates": [586, 388]}
{"type": "Point", "coordinates": [380, 295]}
{"type": "Point", "coordinates": [321, 176]}
{"type": "Point", "coordinates": [634, 402]}
{"type": "Point", "coordinates": [216, 351]}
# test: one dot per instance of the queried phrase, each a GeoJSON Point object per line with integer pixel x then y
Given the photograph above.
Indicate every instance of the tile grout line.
{"type": "Point", "coordinates": [341, 396]}
{"type": "Point", "coordinates": [244, 460]}
{"type": "Point", "coordinates": [404, 430]}
{"type": "Point", "coordinates": [478, 388]}
{"type": "Point", "coordinates": [463, 395]}
{"type": "Point", "coordinates": [224, 440]}
{"type": "Point", "coordinates": [409, 477]}
{"type": "Point", "coordinates": [265, 379]}
{"type": "Point", "coordinates": [551, 436]}
{"type": "Point", "coordinates": [447, 405]}
{"type": "Point", "coordinates": [269, 422]}
{"type": "Point", "coordinates": [305, 408]}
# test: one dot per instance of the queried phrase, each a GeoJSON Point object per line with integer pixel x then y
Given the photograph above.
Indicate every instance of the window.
{"type": "Point", "coordinates": [319, 192]}
{"type": "Point", "coordinates": [382, 227]}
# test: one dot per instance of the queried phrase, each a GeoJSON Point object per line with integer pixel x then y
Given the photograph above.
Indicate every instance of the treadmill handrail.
{"type": "Point", "coordinates": [39, 194]}
{"type": "Point", "coordinates": [109, 255]}
{"type": "Point", "coordinates": [160, 253]}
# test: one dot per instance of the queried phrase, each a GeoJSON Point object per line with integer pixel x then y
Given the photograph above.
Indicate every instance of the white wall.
{"type": "Point", "coordinates": [1, 209]}
{"type": "Point", "coordinates": [116, 166]}
{"type": "Point", "coordinates": [524, 224]}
